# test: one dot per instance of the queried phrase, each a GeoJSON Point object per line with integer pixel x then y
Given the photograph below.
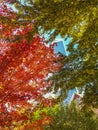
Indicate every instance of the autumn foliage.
{"type": "Point", "coordinates": [38, 124]}
{"type": "Point", "coordinates": [11, 29]}
{"type": "Point", "coordinates": [24, 68]}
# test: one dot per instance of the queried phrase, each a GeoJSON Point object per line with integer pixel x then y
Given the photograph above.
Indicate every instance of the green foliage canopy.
{"type": "Point", "coordinates": [73, 118]}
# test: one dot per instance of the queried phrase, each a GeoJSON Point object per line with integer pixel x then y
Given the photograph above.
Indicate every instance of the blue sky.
{"type": "Point", "coordinates": [62, 47]}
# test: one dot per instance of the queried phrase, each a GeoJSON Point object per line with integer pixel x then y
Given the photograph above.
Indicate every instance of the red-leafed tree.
{"type": "Point", "coordinates": [24, 68]}
{"type": "Point", "coordinates": [13, 28]}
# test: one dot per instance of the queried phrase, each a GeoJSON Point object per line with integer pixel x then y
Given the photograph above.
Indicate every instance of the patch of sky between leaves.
{"type": "Point", "coordinates": [65, 41]}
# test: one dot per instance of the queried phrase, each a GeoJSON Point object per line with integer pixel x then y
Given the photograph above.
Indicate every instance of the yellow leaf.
{"type": "Point", "coordinates": [91, 72]}
{"type": "Point", "coordinates": [1, 86]}
{"type": "Point", "coordinates": [24, 59]}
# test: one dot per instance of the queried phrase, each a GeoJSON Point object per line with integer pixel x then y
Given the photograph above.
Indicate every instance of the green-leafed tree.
{"type": "Point", "coordinates": [76, 19]}
{"type": "Point", "coordinates": [73, 118]}
{"type": "Point", "coordinates": [65, 17]}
